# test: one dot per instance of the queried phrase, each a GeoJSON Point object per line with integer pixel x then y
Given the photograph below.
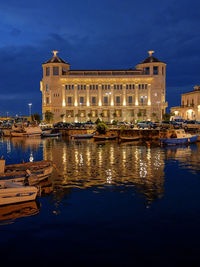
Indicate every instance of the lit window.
{"type": "Point", "coordinates": [130, 99]}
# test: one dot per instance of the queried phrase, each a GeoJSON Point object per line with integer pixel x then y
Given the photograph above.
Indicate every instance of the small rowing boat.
{"type": "Point", "coordinates": [129, 138]}
{"type": "Point", "coordinates": [11, 193]}
{"type": "Point", "coordinates": [104, 137]}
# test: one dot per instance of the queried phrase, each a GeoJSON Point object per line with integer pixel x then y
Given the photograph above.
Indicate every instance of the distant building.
{"type": "Point", "coordinates": [123, 95]}
{"type": "Point", "coordinates": [190, 105]}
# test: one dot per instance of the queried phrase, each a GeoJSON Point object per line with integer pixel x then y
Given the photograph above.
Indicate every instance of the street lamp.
{"type": "Point", "coordinates": [30, 104]}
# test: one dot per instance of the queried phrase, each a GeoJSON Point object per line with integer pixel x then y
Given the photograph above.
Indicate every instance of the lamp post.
{"type": "Point", "coordinates": [30, 104]}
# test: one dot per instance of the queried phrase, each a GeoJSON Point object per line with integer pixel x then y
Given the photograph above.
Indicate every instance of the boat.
{"type": "Point", "coordinates": [129, 138]}
{"type": "Point", "coordinates": [11, 193]}
{"type": "Point", "coordinates": [37, 170]}
{"type": "Point", "coordinates": [51, 134]}
{"type": "Point", "coordinates": [81, 136]}
{"type": "Point", "coordinates": [177, 137]}
{"type": "Point", "coordinates": [104, 137]}
{"type": "Point", "coordinates": [29, 172]}
{"type": "Point", "coordinates": [26, 131]}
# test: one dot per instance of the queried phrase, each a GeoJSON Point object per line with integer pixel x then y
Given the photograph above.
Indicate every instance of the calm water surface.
{"type": "Point", "coordinates": [106, 204]}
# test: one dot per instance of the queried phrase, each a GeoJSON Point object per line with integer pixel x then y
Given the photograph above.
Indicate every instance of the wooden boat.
{"type": "Point", "coordinates": [29, 172]}
{"type": "Point", "coordinates": [104, 137]}
{"type": "Point", "coordinates": [41, 169]}
{"type": "Point", "coordinates": [26, 131]}
{"type": "Point", "coordinates": [178, 137]}
{"type": "Point", "coordinates": [129, 138]}
{"type": "Point", "coordinates": [81, 136]}
{"type": "Point", "coordinates": [14, 193]}
{"type": "Point", "coordinates": [14, 211]}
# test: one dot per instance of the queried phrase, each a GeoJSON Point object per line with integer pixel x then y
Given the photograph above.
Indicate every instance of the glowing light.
{"type": "Point", "coordinates": [124, 103]}
{"type": "Point", "coordinates": [63, 103]}
{"type": "Point", "coordinates": [136, 102]}
{"type": "Point", "coordinates": [151, 52]}
{"type": "Point", "coordinates": [149, 103]}
{"type": "Point", "coordinates": [100, 104]}
{"type": "Point", "coordinates": [176, 112]}
{"type": "Point", "coordinates": [112, 103]}
{"type": "Point", "coordinates": [75, 104]}
{"type": "Point", "coordinates": [55, 53]}
{"type": "Point", "coordinates": [88, 104]}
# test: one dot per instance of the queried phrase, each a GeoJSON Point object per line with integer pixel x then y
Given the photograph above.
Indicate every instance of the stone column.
{"type": "Point", "coordinates": [136, 95]}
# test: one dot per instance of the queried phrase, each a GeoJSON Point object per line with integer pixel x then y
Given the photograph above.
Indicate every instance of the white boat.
{"type": "Point", "coordinates": [11, 193]}
{"type": "Point", "coordinates": [177, 137]}
{"type": "Point", "coordinates": [26, 131]}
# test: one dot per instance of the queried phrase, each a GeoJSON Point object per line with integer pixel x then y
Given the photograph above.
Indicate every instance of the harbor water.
{"type": "Point", "coordinates": [105, 204]}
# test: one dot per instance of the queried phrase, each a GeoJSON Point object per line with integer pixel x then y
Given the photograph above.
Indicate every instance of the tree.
{"type": "Point", "coordinates": [36, 117]}
{"type": "Point", "coordinates": [102, 128]}
{"type": "Point", "coordinates": [48, 116]}
{"type": "Point", "coordinates": [97, 121]}
{"type": "Point", "coordinates": [166, 116]}
{"type": "Point", "coordinates": [101, 114]}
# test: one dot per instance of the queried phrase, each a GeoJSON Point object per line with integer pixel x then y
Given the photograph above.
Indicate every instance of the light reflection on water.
{"type": "Point", "coordinates": [104, 166]}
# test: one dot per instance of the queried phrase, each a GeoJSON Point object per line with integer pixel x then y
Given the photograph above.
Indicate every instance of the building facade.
{"type": "Point", "coordinates": [123, 95]}
{"type": "Point", "coordinates": [190, 105]}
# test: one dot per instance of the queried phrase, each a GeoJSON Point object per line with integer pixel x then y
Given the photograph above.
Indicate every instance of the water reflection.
{"type": "Point", "coordinates": [187, 156]}
{"type": "Point", "coordinates": [106, 165]}
{"type": "Point", "coordinates": [9, 213]}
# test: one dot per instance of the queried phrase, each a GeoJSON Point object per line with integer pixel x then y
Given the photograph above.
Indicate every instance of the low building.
{"type": "Point", "coordinates": [123, 95]}
{"type": "Point", "coordinates": [190, 105]}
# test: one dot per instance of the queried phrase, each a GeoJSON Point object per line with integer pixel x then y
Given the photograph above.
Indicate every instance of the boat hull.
{"type": "Point", "coordinates": [104, 137]}
{"type": "Point", "coordinates": [11, 193]}
{"type": "Point", "coordinates": [179, 141]}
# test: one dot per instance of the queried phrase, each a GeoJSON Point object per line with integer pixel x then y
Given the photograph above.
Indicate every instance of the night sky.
{"type": "Point", "coordinates": [90, 34]}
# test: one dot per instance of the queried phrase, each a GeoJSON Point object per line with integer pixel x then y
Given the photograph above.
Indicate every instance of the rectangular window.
{"type": "Point", "coordinates": [69, 100]}
{"type": "Point", "coordinates": [64, 71]}
{"type": "Point", "coordinates": [78, 87]}
{"type": "Point", "coordinates": [130, 99]}
{"type": "Point", "coordinates": [84, 87]}
{"type": "Point", "coordinates": [121, 86]}
{"type": "Point", "coordinates": [118, 99]}
{"type": "Point", "coordinates": [108, 87]}
{"type": "Point", "coordinates": [105, 100]}
{"type": "Point", "coordinates": [72, 87]}
{"type": "Point", "coordinates": [47, 71]}
{"type": "Point", "coordinates": [93, 100]}
{"type": "Point", "coordinates": [47, 100]}
{"type": "Point", "coordinates": [146, 70]}
{"type": "Point", "coordinates": [55, 71]}
{"type": "Point", "coordinates": [66, 86]}
{"type": "Point", "coordinates": [155, 70]}
{"type": "Point", "coordinates": [133, 85]}
{"type": "Point", "coordinates": [81, 100]}
{"type": "Point", "coordinates": [47, 87]}
{"type": "Point", "coordinates": [102, 87]}
{"type": "Point", "coordinates": [129, 86]}
{"type": "Point", "coordinates": [96, 87]}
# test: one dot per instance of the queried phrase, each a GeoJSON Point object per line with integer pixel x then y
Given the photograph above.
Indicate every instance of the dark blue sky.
{"type": "Point", "coordinates": [94, 34]}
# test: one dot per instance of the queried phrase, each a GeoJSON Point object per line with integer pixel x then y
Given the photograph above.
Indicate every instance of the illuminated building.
{"type": "Point", "coordinates": [123, 95]}
{"type": "Point", "coordinates": [190, 105]}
